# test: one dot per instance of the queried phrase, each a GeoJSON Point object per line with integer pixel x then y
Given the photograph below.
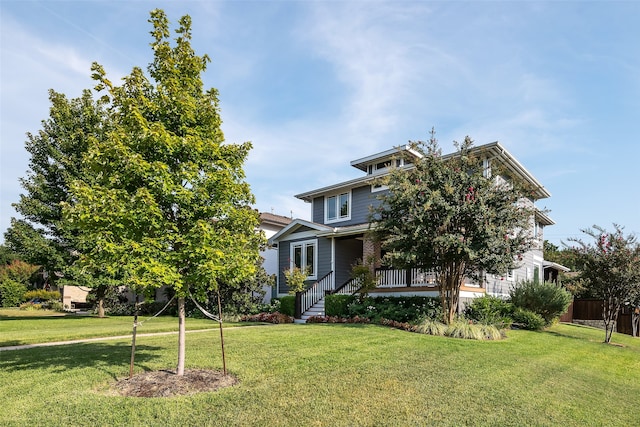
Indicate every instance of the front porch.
{"type": "Point", "coordinates": [390, 282]}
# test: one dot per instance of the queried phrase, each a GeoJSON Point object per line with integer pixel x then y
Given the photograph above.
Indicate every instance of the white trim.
{"type": "Point", "coordinates": [303, 255]}
{"type": "Point", "coordinates": [295, 224]}
{"type": "Point", "coordinates": [333, 262]}
{"type": "Point", "coordinates": [338, 218]}
{"type": "Point", "coordinates": [302, 235]}
{"type": "Point", "coordinates": [380, 187]}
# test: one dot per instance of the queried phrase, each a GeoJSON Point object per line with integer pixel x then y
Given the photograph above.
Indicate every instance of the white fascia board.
{"type": "Point", "coordinates": [346, 231]}
{"type": "Point", "coordinates": [543, 218]}
{"type": "Point", "coordinates": [549, 264]}
{"type": "Point", "coordinates": [513, 165]}
{"type": "Point", "coordinates": [364, 161]}
{"type": "Point", "coordinates": [494, 148]}
{"type": "Point", "coordinates": [310, 195]}
{"type": "Point", "coordinates": [295, 224]}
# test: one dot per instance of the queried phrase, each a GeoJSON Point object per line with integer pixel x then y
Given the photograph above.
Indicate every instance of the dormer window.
{"type": "Point", "coordinates": [384, 166]}
{"type": "Point", "coordinates": [338, 207]}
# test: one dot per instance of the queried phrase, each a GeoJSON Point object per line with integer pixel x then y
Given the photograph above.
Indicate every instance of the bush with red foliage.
{"type": "Point", "coordinates": [275, 317]}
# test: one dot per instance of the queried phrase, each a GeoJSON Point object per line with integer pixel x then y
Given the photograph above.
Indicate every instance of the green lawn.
{"type": "Point", "coordinates": [19, 327]}
{"type": "Point", "coordinates": [338, 375]}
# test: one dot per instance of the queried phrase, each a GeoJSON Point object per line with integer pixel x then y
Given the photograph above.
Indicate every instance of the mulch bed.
{"type": "Point", "coordinates": [168, 384]}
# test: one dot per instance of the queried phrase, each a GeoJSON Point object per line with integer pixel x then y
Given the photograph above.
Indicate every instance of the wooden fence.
{"type": "Point", "coordinates": [591, 309]}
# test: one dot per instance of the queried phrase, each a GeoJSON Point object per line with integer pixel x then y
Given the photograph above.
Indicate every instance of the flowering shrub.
{"type": "Point", "coordinates": [337, 319]}
{"type": "Point", "coordinates": [267, 318]}
{"type": "Point", "coordinates": [400, 309]}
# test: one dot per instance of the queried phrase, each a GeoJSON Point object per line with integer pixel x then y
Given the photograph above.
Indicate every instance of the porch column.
{"type": "Point", "coordinates": [370, 252]}
{"type": "Point", "coordinates": [333, 262]}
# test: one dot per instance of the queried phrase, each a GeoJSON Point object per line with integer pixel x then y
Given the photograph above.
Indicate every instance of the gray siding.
{"type": "Point", "coordinates": [500, 286]}
{"type": "Point", "coordinates": [348, 251]}
{"type": "Point", "coordinates": [361, 200]}
{"type": "Point", "coordinates": [318, 210]}
{"type": "Point", "coordinates": [284, 253]}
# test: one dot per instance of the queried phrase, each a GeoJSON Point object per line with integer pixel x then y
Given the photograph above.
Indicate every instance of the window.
{"type": "Point", "coordinates": [338, 207]}
{"type": "Point", "coordinates": [378, 187]}
{"type": "Point", "coordinates": [304, 256]}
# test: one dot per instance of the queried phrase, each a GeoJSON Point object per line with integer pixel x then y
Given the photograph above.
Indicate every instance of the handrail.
{"type": "Point", "coordinates": [316, 292]}
{"type": "Point", "coordinates": [349, 287]}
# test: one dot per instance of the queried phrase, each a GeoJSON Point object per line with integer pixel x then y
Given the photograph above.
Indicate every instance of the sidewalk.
{"type": "Point", "coordinates": [118, 337]}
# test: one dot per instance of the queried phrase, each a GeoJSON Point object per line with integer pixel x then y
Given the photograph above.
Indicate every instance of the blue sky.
{"type": "Point", "coordinates": [316, 84]}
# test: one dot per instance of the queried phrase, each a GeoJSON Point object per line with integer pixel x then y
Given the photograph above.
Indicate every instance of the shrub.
{"type": "Point", "coordinates": [337, 319]}
{"type": "Point", "coordinates": [12, 293]}
{"type": "Point", "coordinates": [338, 305]}
{"type": "Point", "coordinates": [56, 306]}
{"type": "Point", "coordinates": [458, 329]}
{"type": "Point", "coordinates": [43, 295]}
{"type": "Point", "coordinates": [400, 309]}
{"type": "Point", "coordinates": [546, 299]}
{"type": "Point", "coordinates": [490, 310]}
{"type": "Point", "coordinates": [432, 327]}
{"type": "Point", "coordinates": [267, 318]}
{"type": "Point", "coordinates": [288, 305]}
{"type": "Point", "coordinates": [464, 329]}
{"type": "Point", "coordinates": [527, 319]}
{"type": "Point", "coordinates": [28, 306]}
{"type": "Point", "coordinates": [491, 332]}
{"type": "Point", "coordinates": [295, 278]}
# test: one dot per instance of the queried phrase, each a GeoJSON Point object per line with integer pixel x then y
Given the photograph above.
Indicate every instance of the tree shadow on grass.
{"type": "Point", "coordinates": [65, 316]}
{"type": "Point", "coordinates": [60, 359]}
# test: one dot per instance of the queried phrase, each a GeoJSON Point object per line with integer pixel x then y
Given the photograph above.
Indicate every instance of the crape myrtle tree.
{"type": "Point", "coordinates": [41, 237]}
{"type": "Point", "coordinates": [448, 216]}
{"type": "Point", "coordinates": [610, 269]}
{"type": "Point", "coordinates": [165, 201]}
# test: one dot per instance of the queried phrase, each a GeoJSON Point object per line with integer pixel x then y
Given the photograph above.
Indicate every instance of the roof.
{"type": "Point", "coordinates": [549, 264]}
{"type": "Point", "coordinates": [511, 164]}
{"type": "Point", "coordinates": [294, 225]}
{"type": "Point", "coordinates": [543, 218]}
{"type": "Point", "coordinates": [269, 218]}
{"type": "Point", "coordinates": [384, 155]}
{"type": "Point", "coordinates": [493, 150]}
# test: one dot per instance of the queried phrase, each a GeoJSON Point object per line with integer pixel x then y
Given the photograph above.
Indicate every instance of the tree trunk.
{"type": "Point", "coordinates": [610, 310]}
{"type": "Point", "coordinates": [635, 322]}
{"type": "Point", "coordinates": [450, 281]}
{"type": "Point", "coordinates": [181, 336]}
{"type": "Point", "coordinates": [101, 307]}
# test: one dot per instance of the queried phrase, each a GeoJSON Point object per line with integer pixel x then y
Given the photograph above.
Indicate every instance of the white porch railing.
{"type": "Point", "coordinates": [349, 288]}
{"type": "Point", "coordinates": [316, 292]}
{"type": "Point", "coordinates": [391, 278]}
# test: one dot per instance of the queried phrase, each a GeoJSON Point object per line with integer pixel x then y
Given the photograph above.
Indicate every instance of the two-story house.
{"type": "Point", "coordinates": [336, 237]}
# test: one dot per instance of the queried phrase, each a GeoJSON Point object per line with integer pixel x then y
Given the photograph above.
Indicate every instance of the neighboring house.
{"type": "Point", "coordinates": [271, 224]}
{"type": "Point", "coordinates": [336, 238]}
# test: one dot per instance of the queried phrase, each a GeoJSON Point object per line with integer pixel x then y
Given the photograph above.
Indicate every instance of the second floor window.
{"type": "Point", "coordinates": [338, 207]}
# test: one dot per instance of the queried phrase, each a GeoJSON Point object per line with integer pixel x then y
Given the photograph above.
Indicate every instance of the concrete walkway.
{"type": "Point", "coordinates": [118, 337]}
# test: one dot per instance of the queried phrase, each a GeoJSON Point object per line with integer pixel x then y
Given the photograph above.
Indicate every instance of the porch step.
{"type": "Point", "coordinates": [316, 310]}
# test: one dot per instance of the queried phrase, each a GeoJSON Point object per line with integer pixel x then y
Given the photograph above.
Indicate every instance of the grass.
{"type": "Point", "coordinates": [18, 327]}
{"type": "Point", "coordinates": [338, 375]}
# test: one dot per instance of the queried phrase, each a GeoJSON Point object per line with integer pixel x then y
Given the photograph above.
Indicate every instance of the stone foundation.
{"type": "Point", "coordinates": [593, 323]}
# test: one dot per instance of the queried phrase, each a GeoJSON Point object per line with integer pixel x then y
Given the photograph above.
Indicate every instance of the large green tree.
{"type": "Point", "coordinates": [446, 215]}
{"type": "Point", "coordinates": [610, 269]}
{"type": "Point", "coordinates": [165, 201]}
{"type": "Point", "coordinates": [41, 236]}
